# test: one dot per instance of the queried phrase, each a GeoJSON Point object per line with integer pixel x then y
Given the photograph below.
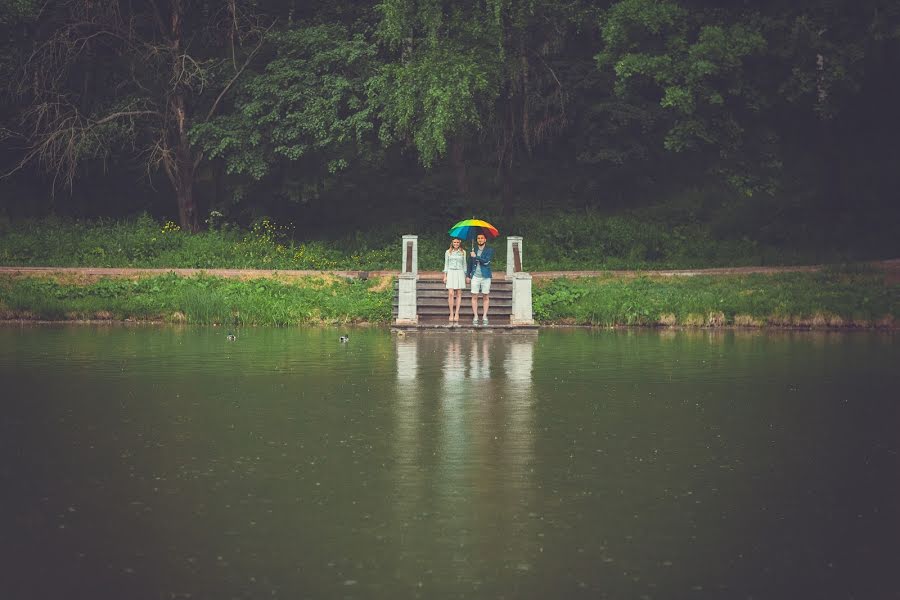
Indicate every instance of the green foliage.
{"type": "Point", "coordinates": [447, 77]}
{"type": "Point", "coordinates": [793, 98]}
{"type": "Point", "coordinates": [18, 10]}
{"type": "Point", "coordinates": [795, 299]}
{"type": "Point", "coordinates": [694, 231]}
{"type": "Point", "coordinates": [434, 96]}
{"type": "Point", "coordinates": [556, 299]}
{"type": "Point", "coordinates": [700, 66]}
{"type": "Point", "coordinates": [201, 300]}
{"type": "Point", "coordinates": [308, 105]}
{"type": "Point", "coordinates": [824, 46]}
{"type": "Point", "coordinates": [473, 68]}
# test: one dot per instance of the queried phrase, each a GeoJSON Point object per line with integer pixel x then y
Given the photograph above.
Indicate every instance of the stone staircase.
{"type": "Point", "coordinates": [431, 302]}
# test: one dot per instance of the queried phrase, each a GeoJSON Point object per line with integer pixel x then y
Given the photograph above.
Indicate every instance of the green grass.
{"type": "Point", "coordinates": [665, 237]}
{"type": "Point", "coordinates": [200, 299]}
{"type": "Point", "coordinates": [831, 298]}
{"type": "Point", "coordinates": [836, 298]}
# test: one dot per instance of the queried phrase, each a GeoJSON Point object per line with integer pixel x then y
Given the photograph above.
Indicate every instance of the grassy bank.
{"type": "Point", "coordinates": [665, 237]}
{"type": "Point", "coordinates": [198, 300]}
{"type": "Point", "coordinates": [829, 299]}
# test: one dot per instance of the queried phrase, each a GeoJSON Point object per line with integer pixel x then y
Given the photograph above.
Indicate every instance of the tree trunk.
{"type": "Point", "coordinates": [507, 193]}
{"type": "Point", "coordinates": [185, 171]}
{"type": "Point", "coordinates": [457, 157]}
{"type": "Point", "coordinates": [185, 166]}
{"type": "Point", "coordinates": [507, 160]}
{"type": "Point", "coordinates": [188, 218]}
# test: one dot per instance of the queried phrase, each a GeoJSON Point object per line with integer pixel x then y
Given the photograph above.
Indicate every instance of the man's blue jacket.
{"type": "Point", "coordinates": [487, 255]}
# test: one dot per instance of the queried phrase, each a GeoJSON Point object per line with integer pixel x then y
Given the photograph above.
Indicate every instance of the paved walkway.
{"type": "Point", "coordinates": [890, 267]}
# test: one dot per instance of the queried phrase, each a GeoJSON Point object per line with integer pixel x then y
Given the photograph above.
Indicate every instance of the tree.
{"type": "Point", "coordinates": [729, 78]}
{"type": "Point", "coordinates": [698, 65]}
{"type": "Point", "coordinates": [306, 107]}
{"type": "Point", "coordinates": [108, 76]}
{"type": "Point", "coordinates": [472, 73]}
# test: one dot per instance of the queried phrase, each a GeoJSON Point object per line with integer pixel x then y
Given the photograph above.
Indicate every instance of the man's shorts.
{"type": "Point", "coordinates": [480, 285]}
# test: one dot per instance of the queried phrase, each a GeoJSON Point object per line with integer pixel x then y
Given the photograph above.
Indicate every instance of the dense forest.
{"type": "Point", "coordinates": [341, 116]}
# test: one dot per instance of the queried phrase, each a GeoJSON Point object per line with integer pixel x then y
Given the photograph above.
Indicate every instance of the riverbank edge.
{"type": "Point", "coordinates": [892, 328]}
{"type": "Point", "coordinates": [705, 317]}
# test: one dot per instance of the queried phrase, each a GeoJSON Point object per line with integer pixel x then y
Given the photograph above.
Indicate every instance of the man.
{"type": "Point", "coordinates": [478, 274]}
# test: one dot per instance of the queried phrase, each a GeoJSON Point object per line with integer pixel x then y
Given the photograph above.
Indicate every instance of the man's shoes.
{"type": "Point", "coordinates": [484, 322]}
{"type": "Point", "coordinates": [475, 321]}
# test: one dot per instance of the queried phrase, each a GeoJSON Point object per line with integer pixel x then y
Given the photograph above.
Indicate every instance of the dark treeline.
{"type": "Point", "coordinates": [342, 115]}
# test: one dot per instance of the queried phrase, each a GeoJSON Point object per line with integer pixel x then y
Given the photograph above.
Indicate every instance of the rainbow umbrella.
{"type": "Point", "coordinates": [471, 228]}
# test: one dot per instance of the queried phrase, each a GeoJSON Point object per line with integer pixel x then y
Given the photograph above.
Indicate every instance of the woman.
{"type": "Point", "coordinates": [454, 276]}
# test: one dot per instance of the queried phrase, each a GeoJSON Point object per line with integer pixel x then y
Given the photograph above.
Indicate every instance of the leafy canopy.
{"type": "Point", "coordinates": [308, 104]}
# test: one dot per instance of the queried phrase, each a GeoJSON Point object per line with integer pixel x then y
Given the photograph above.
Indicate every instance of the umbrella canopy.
{"type": "Point", "coordinates": [471, 228]}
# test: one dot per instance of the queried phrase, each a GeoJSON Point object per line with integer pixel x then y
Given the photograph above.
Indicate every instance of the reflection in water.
{"type": "Point", "coordinates": [465, 446]}
{"type": "Point", "coordinates": [479, 358]}
{"type": "Point", "coordinates": [407, 420]}
{"type": "Point", "coordinates": [149, 463]}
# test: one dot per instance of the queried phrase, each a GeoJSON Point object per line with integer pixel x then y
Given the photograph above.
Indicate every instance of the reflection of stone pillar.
{"type": "Point", "coordinates": [517, 365]}
{"type": "Point", "coordinates": [519, 435]}
{"type": "Point", "coordinates": [407, 361]}
{"type": "Point", "coordinates": [409, 275]}
{"type": "Point", "coordinates": [408, 407]}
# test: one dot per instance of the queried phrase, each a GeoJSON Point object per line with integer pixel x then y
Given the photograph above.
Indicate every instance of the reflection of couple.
{"type": "Point", "coordinates": [459, 272]}
{"type": "Point", "coordinates": [454, 366]}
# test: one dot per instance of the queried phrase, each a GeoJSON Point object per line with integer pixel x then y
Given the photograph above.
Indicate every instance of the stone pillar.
{"type": "Point", "coordinates": [521, 300]}
{"type": "Point", "coordinates": [410, 255]}
{"type": "Point", "coordinates": [521, 283]}
{"type": "Point", "coordinates": [513, 242]}
{"type": "Point", "coordinates": [409, 275]}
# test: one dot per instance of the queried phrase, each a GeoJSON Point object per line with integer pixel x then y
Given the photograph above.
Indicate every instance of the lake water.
{"type": "Point", "coordinates": [169, 463]}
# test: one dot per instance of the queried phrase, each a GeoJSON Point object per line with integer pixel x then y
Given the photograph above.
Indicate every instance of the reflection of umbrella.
{"type": "Point", "coordinates": [472, 228]}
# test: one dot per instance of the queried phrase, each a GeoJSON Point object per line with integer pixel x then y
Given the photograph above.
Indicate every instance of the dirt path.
{"type": "Point", "coordinates": [891, 270]}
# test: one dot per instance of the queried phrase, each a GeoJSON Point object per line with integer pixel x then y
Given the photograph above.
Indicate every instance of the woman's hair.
{"type": "Point", "coordinates": [450, 249]}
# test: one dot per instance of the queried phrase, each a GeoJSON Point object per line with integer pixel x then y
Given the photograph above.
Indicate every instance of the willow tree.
{"type": "Point", "coordinates": [471, 75]}
{"type": "Point", "coordinates": [110, 76]}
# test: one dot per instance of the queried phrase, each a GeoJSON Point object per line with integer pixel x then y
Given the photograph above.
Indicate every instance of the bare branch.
{"type": "Point", "coordinates": [159, 20]}
{"type": "Point", "coordinates": [58, 137]}
{"type": "Point", "coordinates": [215, 105]}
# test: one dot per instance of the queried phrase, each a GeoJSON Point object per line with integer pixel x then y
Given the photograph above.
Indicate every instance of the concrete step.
{"type": "Point", "coordinates": [442, 295]}
{"type": "Point", "coordinates": [431, 302]}
{"type": "Point", "coordinates": [437, 291]}
{"type": "Point", "coordinates": [439, 280]}
{"type": "Point", "coordinates": [438, 309]}
{"type": "Point", "coordinates": [426, 302]}
{"type": "Point", "coordinates": [434, 291]}
{"type": "Point", "coordinates": [499, 311]}
{"type": "Point", "coordinates": [463, 323]}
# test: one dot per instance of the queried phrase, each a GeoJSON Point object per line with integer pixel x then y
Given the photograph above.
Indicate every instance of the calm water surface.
{"type": "Point", "coordinates": [168, 463]}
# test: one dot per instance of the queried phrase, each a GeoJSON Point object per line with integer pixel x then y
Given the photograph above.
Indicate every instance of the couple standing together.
{"type": "Point", "coordinates": [460, 271]}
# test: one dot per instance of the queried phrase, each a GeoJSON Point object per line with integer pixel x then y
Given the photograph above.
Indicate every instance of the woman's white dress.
{"type": "Point", "coordinates": [455, 268]}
